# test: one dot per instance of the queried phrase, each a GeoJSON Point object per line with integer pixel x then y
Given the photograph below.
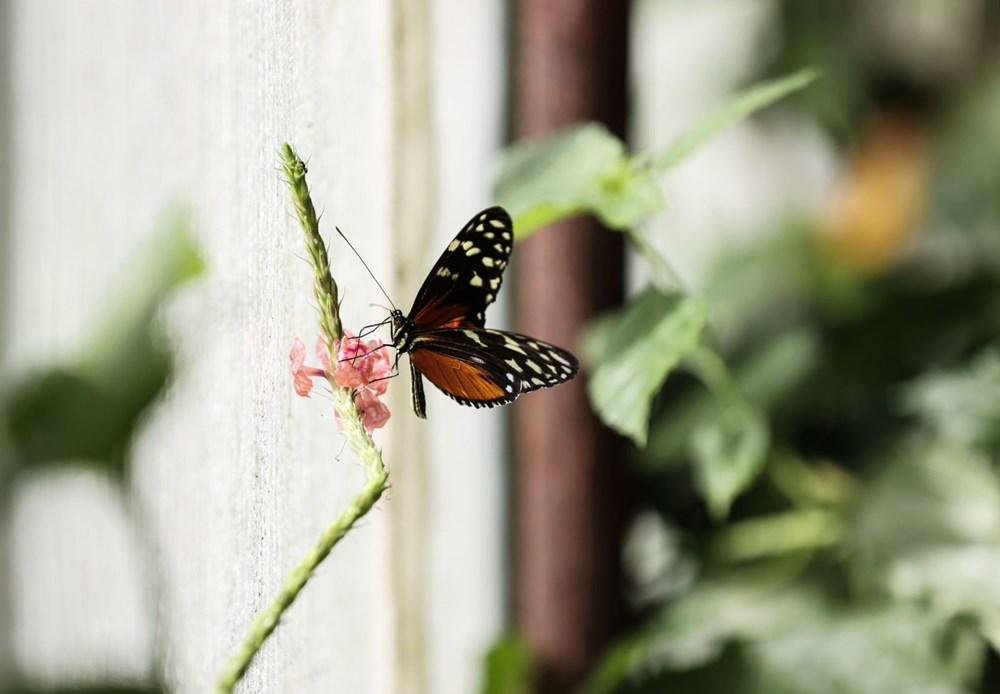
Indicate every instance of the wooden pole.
{"type": "Point", "coordinates": [570, 481]}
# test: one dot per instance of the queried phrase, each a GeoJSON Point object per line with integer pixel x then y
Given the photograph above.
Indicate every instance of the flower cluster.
{"type": "Point", "coordinates": [363, 366]}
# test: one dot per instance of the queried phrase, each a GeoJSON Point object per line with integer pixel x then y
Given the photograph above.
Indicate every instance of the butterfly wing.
{"type": "Point", "coordinates": [467, 276]}
{"type": "Point", "coordinates": [485, 368]}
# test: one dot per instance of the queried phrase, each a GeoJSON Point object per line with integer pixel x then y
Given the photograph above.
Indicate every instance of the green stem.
{"type": "Point", "coordinates": [663, 274]}
{"type": "Point", "coordinates": [376, 475]}
{"type": "Point", "coordinates": [267, 621]}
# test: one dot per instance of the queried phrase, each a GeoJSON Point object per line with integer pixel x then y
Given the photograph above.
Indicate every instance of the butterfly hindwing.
{"type": "Point", "coordinates": [467, 276]}
{"type": "Point", "coordinates": [485, 368]}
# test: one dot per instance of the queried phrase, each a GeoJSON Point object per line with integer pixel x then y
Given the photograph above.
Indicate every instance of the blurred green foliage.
{"type": "Point", "coordinates": [586, 169]}
{"type": "Point", "coordinates": [508, 667]}
{"type": "Point", "coordinates": [818, 454]}
{"type": "Point", "coordinates": [86, 413]}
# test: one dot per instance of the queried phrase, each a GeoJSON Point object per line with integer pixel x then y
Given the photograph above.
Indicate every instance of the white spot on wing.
{"type": "Point", "coordinates": [488, 262]}
{"type": "Point", "coordinates": [513, 364]}
{"type": "Point", "coordinates": [476, 280]}
{"type": "Point", "coordinates": [511, 345]}
{"type": "Point", "coordinates": [471, 334]}
{"type": "Point", "coordinates": [453, 245]}
{"type": "Point", "coordinates": [559, 358]}
{"type": "Point", "coordinates": [496, 223]}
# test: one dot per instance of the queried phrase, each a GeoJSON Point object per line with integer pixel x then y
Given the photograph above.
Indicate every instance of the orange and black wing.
{"type": "Point", "coordinates": [486, 368]}
{"type": "Point", "coordinates": [467, 276]}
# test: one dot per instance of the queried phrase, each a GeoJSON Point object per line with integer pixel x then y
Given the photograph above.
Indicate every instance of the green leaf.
{"type": "Point", "coordinates": [626, 200]}
{"type": "Point", "coordinates": [508, 667]}
{"type": "Point", "coordinates": [954, 580]}
{"type": "Point", "coordinates": [583, 169]}
{"type": "Point", "coordinates": [962, 405]}
{"type": "Point", "coordinates": [743, 105]}
{"type": "Point", "coordinates": [634, 350]}
{"type": "Point", "coordinates": [728, 452]}
{"type": "Point", "coordinates": [928, 493]}
{"type": "Point", "coordinates": [893, 648]}
{"type": "Point", "coordinates": [693, 631]}
{"type": "Point", "coordinates": [729, 446]}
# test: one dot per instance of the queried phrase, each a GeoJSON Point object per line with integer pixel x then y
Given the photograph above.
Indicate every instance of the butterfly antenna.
{"type": "Point", "coordinates": [366, 266]}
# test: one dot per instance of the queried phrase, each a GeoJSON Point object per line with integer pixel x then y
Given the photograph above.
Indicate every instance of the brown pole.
{"type": "Point", "coordinates": [570, 481]}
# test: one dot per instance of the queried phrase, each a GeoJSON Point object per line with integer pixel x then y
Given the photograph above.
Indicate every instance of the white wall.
{"type": "Point", "coordinates": [122, 110]}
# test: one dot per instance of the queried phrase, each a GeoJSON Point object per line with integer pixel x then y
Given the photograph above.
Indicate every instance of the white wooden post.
{"type": "Point", "coordinates": [122, 111]}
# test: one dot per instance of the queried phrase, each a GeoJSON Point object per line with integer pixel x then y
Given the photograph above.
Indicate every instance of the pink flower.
{"type": "Point", "coordinates": [362, 366]}
{"type": "Point", "coordinates": [359, 363]}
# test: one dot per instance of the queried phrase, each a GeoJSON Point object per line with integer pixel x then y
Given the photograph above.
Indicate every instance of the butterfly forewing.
{"type": "Point", "coordinates": [467, 276]}
{"type": "Point", "coordinates": [485, 368]}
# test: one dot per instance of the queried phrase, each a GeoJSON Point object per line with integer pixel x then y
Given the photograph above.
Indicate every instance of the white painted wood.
{"type": "Point", "coordinates": [122, 111]}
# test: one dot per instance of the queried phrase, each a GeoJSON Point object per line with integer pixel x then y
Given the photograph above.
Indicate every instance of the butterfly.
{"type": "Point", "coordinates": [444, 332]}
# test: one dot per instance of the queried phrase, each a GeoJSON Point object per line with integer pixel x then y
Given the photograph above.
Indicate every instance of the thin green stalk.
{"type": "Point", "coordinates": [377, 477]}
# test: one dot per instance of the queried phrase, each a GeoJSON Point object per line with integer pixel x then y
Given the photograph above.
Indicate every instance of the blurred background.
{"type": "Point", "coordinates": [805, 496]}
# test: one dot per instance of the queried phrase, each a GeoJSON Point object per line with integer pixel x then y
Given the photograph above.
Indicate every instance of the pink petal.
{"type": "Point", "coordinates": [374, 414]}
{"type": "Point", "coordinates": [324, 354]}
{"type": "Point", "coordinates": [349, 376]}
{"type": "Point", "coordinates": [302, 383]}
{"type": "Point", "coordinates": [298, 354]}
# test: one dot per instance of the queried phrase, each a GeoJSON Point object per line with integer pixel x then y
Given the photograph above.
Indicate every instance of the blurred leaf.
{"type": "Point", "coordinates": [694, 630]}
{"type": "Point", "coordinates": [586, 169]}
{"type": "Point", "coordinates": [87, 413]}
{"type": "Point", "coordinates": [792, 640]}
{"type": "Point", "coordinates": [556, 176]}
{"type": "Point", "coordinates": [961, 405]}
{"type": "Point", "coordinates": [85, 689]}
{"type": "Point", "coordinates": [625, 200]}
{"type": "Point", "coordinates": [965, 204]}
{"type": "Point", "coordinates": [60, 417]}
{"type": "Point", "coordinates": [765, 376]}
{"type": "Point", "coordinates": [632, 353]}
{"type": "Point", "coordinates": [581, 169]}
{"type": "Point", "coordinates": [508, 667]}
{"type": "Point", "coordinates": [728, 448]}
{"type": "Point", "coordinates": [955, 580]}
{"type": "Point", "coordinates": [740, 107]}
{"type": "Point", "coordinates": [728, 453]}
{"type": "Point", "coordinates": [928, 493]}
{"type": "Point", "coordinates": [791, 532]}
{"type": "Point", "coordinates": [895, 648]}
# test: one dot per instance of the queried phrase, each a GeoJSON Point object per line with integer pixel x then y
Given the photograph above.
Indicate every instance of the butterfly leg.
{"type": "Point", "coordinates": [417, 383]}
